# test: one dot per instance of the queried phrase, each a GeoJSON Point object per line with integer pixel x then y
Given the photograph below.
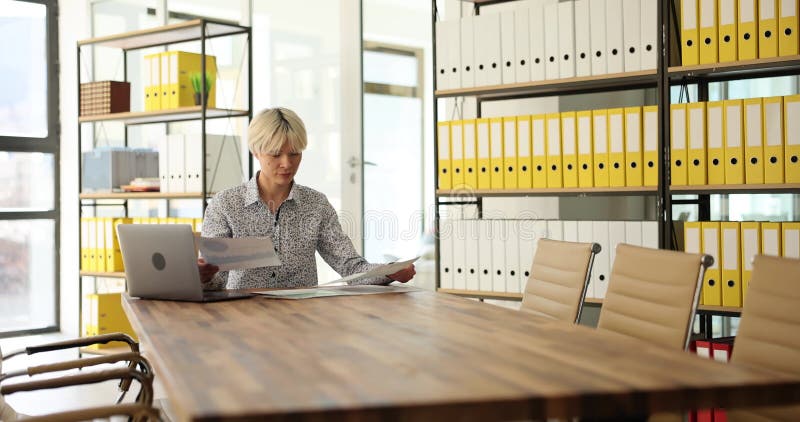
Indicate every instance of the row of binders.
{"type": "Point", "coordinates": [733, 246]}
{"type": "Point", "coordinates": [718, 31]}
{"type": "Point", "coordinates": [180, 163]}
{"type": "Point", "coordinates": [599, 148]}
{"type": "Point", "coordinates": [100, 245]}
{"type": "Point", "coordinates": [168, 80]}
{"type": "Point", "coordinates": [546, 39]}
{"type": "Point", "coordinates": [497, 255]}
{"type": "Point", "coordinates": [752, 141]}
{"type": "Point", "coordinates": [103, 314]}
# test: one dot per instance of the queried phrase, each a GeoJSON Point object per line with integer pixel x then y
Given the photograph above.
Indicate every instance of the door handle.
{"type": "Point", "coordinates": [355, 162]}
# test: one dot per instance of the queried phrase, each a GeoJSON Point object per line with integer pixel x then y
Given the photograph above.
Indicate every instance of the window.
{"type": "Point", "coordinates": [29, 157]}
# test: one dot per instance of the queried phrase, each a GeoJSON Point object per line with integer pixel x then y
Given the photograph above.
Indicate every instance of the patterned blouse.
{"type": "Point", "coordinates": [305, 222]}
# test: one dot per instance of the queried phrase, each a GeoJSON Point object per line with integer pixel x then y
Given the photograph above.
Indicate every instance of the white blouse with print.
{"type": "Point", "coordinates": [305, 222]}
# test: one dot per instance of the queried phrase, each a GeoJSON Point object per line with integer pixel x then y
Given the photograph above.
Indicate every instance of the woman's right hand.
{"type": "Point", "coordinates": [207, 270]}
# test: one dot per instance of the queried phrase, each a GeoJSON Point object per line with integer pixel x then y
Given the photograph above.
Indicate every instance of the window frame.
{"type": "Point", "coordinates": [48, 145]}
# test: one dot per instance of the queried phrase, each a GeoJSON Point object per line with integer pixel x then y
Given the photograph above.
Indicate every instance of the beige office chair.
{"type": "Point", "coordinates": [138, 368]}
{"type": "Point", "coordinates": [653, 294]}
{"type": "Point", "coordinates": [767, 335]}
{"type": "Point", "coordinates": [559, 277]}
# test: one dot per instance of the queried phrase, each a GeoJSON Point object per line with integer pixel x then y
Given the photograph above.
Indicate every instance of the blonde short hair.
{"type": "Point", "coordinates": [273, 127]}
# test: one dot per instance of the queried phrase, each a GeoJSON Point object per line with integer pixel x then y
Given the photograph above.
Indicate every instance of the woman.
{"type": "Point", "coordinates": [298, 219]}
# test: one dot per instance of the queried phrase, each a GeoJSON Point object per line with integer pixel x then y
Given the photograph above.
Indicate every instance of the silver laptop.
{"type": "Point", "coordinates": [161, 263]}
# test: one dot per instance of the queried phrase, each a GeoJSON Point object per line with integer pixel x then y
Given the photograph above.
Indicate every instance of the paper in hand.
{"type": "Point", "coordinates": [379, 271]}
{"type": "Point", "coordinates": [238, 253]}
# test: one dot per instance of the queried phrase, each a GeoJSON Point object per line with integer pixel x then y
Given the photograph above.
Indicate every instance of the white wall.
{"type": "Point", "coordinates": [73, 25]}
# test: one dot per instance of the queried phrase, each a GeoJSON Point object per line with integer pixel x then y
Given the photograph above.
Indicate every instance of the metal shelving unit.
{"type": "Point", "coordinates": [703, 75]}
{"type": "Point", "coordinates": [663, 78]}
{"type": "Point", "coordinates": [194, 30]}
{"type": "Point", "coordinates": [570, 86]}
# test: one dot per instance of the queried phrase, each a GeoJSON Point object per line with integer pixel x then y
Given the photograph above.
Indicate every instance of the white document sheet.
{"type": "Point", "coordinates": [237, 253]}
{"type": "Point", "coordinates": [380, 271]}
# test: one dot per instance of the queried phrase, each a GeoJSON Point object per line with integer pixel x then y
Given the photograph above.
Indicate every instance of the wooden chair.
{"type": "Point", "coordinates": [138, 369]}
{"type": "Point", "coordinates": [768, 328]}
{"type": "Point", "coordinates": [653, 294]}
{"type": "Point", "coordinates": [559, 277]}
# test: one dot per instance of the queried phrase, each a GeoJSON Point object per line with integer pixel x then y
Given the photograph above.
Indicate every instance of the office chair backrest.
{"type": "Point", "coordinates": [767, 330]}
{"type": "Point", "coordinates": [559, 277]}
{"type": "Point", "coordinates": [653, 294]}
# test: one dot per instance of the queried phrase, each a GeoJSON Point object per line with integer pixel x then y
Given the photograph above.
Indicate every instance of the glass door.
{"type": "Point", "coordinates": [307, 57]}
{"type": "Point", "coordinates": [393, 151]}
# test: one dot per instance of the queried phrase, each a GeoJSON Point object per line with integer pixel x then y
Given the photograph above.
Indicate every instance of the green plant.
{"type": "Point", "coordinates": [197, 82]}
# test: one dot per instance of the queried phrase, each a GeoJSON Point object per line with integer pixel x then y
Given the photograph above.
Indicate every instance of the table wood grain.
{"type": "Point", "coordinates": [419, 356]}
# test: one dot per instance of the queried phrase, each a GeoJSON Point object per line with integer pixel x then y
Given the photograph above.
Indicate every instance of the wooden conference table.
{"type": "Point", "coordinates": [420, 356]}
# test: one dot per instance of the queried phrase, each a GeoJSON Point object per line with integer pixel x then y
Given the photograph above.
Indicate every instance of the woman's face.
{"type": "Point", "coordinates": [279, 169]}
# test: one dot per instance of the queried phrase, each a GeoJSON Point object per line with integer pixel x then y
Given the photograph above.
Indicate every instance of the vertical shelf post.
{"type": "Point", "coordinates": [249, 97]}
{"type": "Point", "coordinates": [80, 203]}
{"type": "Point", "coordinates": [437, 243]}
{"type": "Point", "coordinates": [664, 201]}
{"type": "Point", "coordinates": [203, 108]}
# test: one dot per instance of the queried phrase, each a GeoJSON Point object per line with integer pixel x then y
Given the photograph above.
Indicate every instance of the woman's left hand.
{"type": "Point", "coordinates": [404, 275]}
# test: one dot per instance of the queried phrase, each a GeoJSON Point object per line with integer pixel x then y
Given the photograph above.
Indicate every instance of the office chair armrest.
{"type": "Point", "coordinates": [78, 342]}
{"type": "Point", "coordinates": [146, 381]}
{"type": "Point", "coordinates": [134, 358]}
{"type": "Point", "coordinates": [78, 364]}
{"type": "Point", "coordinates": [133, 410]}
{"type": "Point", "coordinates": [85, 341]}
